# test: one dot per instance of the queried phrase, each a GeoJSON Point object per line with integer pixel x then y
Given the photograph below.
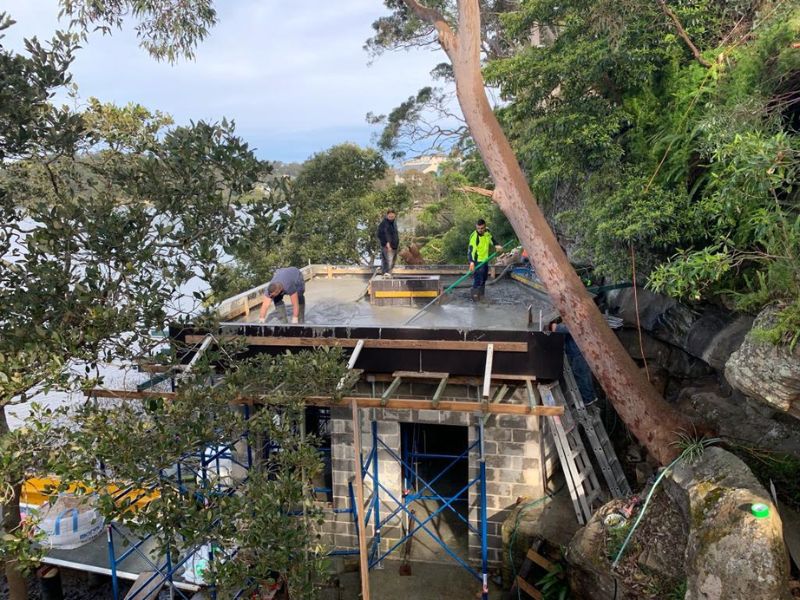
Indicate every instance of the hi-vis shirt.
{"type": "Point", "coordinates": [480, 246]}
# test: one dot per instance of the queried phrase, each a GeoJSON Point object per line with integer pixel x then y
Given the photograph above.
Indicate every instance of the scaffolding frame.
{"type": "Point", "coordinates": [209, 474]}
{"type": "Point", "coordinates": [371, 508]}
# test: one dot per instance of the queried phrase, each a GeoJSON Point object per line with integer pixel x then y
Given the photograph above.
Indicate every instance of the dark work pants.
{"type": "Point", "coordinates": [280, 307]}
{"type": "Point", "coordinates": [479, 277]}
{"type": "Point", "coordinates": [387, 259]}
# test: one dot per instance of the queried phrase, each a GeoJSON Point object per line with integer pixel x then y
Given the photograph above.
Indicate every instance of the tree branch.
{"type": "Point", "coordinates": [446, 36]}
{"type": "Point", "coordinates": [682, 32]}
{"type": "Point", "coordinates": [476, 190]}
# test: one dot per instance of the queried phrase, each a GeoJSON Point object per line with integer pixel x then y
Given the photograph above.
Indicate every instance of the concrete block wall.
{"type": "Point", "coordinates": [511, 450]}
{"type": "Point", "coordinates": [511, 447]}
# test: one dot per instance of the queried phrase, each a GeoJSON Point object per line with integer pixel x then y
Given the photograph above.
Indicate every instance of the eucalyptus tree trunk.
{"type": "Point", "coordinates": [648, 416]}
{"type": "Point", "coordinates": [17, 584]}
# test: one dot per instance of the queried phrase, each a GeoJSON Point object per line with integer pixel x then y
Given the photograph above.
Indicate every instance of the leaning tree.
{"type": "Point", "coordinates": [649, 417]}
{"type": "Point", "coordinates": [168, 30]}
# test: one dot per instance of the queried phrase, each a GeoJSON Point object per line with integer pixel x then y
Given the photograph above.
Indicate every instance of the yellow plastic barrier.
{"type": "Point", "coordinates": [38, 490]}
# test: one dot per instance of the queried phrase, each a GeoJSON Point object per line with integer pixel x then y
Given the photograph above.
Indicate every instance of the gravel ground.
{"type": "Point", "coordinates": [76, 585]}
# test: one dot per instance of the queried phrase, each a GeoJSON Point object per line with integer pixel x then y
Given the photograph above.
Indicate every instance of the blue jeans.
{"type": "Point", "coordinates": [580, 368]}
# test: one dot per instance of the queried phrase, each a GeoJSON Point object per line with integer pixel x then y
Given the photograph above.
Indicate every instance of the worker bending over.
{"type": "Point", "coordinates": [290, 281]}
{"type": "Point", "coordinates": [481, 244]}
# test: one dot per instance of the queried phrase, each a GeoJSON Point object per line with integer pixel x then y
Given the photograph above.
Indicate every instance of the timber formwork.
{"type": "Point", "coordinates": [482, 379]}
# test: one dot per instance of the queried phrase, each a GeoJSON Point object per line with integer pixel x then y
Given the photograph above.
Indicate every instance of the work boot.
{"type": "Point", "coordinates": [476, 295]}
{"type": "Point", "coordinates": [481, 293]}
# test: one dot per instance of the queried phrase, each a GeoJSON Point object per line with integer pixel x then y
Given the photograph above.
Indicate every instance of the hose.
{"type": "Point", "coordinates": [454, 284]}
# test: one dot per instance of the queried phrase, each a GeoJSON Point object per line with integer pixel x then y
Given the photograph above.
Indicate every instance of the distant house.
{"type": "Point", "coordinates": [421, 164]}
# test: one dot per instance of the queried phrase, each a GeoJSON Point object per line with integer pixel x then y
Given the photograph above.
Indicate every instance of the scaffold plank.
{"type": "Point", "coordinates": [351, 343]}
{"type": "Point", "coordinates": [363, 402]}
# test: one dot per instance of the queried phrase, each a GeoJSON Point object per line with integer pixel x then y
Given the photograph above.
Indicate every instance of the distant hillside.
{"type": "Point", "coordinates": [289, 169]}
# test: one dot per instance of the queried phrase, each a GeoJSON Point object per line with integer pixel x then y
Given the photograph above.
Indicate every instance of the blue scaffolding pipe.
{"type": "Point", "coordinates": [484, 518]}
{"type": "Point", "coordinates": [111, 562]}
{"type": "Point", "coordinates": [209, 458]}
{"type": "Point", "coordinates": [436, 539]}
{"type": "Point", "coordinates": [429, 485]}
{"type": "Point", "coordinates": [422, 524]}
{"type": "Point", "coordinates": [441, 473]}
{"type": "Point", "coordinates": [430, 497]}
{"type": "Point", "coordinates": [413, 455]}
{"type": "Point", "coordinates": [167, 570]}
{"type": "Point", "coordinates": [376, 497]}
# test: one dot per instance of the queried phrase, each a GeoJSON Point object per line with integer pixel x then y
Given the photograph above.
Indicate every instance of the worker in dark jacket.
{"type": "Point", "coordinates": [481, 245]}
{"type": "Point", "coordinates": [389, 241]}
{"type": "Point", "coordinates": [285, 281]}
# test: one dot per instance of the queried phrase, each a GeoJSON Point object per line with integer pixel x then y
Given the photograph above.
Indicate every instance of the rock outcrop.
{"type": "Point", "coordinates": [708, 334]}
{"type": "Point", "coordinates": [730, 554]}
{"type": "Point", "coordinates": [767, 372]}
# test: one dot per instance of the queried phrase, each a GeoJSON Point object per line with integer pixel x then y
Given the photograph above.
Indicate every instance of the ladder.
{"type": "Point", "coordinates": [582, 482]}
{"type": "Point", "coordinates": [589, 418]}
{"type": "Point", "coordinates": [521, 583]}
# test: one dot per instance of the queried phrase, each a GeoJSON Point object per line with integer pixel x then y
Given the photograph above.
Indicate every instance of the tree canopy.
{"type": "Point", "coordinates": [108, 214]}
{"type": "Point", "coordinates": [689, 164]}
{"type": "Point", "coordinates": [326, 214]}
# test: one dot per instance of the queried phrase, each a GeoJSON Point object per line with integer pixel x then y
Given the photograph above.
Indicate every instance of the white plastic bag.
{"type": "Point", "coordinates": [71, 522]}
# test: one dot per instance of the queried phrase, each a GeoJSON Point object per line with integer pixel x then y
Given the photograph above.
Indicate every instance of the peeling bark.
{"type": "Point", "coordinates": [648, 416]}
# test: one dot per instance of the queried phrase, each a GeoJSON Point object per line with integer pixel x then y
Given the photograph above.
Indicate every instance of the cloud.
{"type": "Point", "coordinates": [277, 68]}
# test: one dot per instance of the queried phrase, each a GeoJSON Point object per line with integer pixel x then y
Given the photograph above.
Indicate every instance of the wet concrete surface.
{"type": "Point", "coordinates": [344, 302]}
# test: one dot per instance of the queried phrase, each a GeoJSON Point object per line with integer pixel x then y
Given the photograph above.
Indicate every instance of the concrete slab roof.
{"type": "Point", "coordinates": [339, 297]}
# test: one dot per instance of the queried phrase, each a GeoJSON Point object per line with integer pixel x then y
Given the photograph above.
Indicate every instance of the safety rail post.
{"type": "Point", "coordinates": [484, 517]}
{"type": "Point", "coordinates": [112, 561]}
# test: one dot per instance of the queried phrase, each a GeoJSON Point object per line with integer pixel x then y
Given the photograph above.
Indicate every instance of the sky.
{"type": "Point", "coordinates": [292, 74]}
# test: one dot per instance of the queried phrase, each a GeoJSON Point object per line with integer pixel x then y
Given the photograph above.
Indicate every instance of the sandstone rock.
{"type": "Point", "coordinates": [590, 573]}
{"type": "Point", "coordinates": [765, 371]}
{"type": "Point", "coordinates": [730, 554]}
{"type": "Point", "coordinates": [708, 334]}
{"type": "Point", "coordinates": [736, 416]}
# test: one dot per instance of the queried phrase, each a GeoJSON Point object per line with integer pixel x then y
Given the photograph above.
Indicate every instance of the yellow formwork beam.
{"type": "Point", "coordinates": [405, 294]}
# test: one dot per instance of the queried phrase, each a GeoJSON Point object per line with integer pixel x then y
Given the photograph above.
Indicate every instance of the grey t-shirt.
{"type": "Point", "coordinates": [291, 279]}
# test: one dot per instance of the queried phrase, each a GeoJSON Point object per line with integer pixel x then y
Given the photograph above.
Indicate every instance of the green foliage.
{"type": "Point", "coordinates": [166, 29]}
{"type": "Point", "coordinates": [328, 214]}
{"type": "Point", "coordinates": [615, 539]}
{"type": "Point", "coordinates": [446, 225]}
{"type": "Point", "coordinates": [554, 585]}
{"type": "Point", "coordinates": [694, 169]}
{"type": "Point", "coordinates": [137, 445]}
{"type": "Point", "coordinates": [781, 469]}
{"type": "Point", "coordinates": [105, 216]}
